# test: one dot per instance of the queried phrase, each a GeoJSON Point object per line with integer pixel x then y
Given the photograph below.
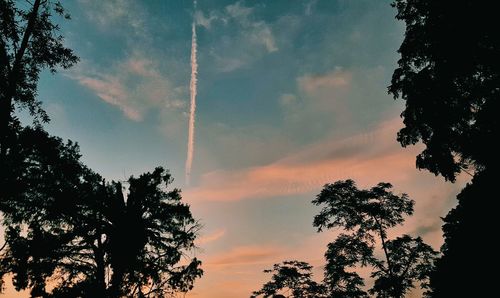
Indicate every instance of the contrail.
{"type": "Point", "coordinates": [192, 109]}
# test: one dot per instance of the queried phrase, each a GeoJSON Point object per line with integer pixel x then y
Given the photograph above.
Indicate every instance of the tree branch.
{"type": "Point", "coordinates": [24, 43]}
{"type": "Point", "coordinates": [384, 246]}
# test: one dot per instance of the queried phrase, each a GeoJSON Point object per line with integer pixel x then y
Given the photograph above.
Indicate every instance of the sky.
{"type": "Point", "coordinates": [291, 95]}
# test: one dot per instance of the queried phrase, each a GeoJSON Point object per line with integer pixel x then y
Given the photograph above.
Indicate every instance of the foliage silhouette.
{"type": "Point", "coordinates": [29, 43]}
{"type": "Point", "coordinates": [467, 251]}
{"type": "Point", "coordinates": [44, 176]}
{"type": "Point", "coordinates": [66, 226]}
{"type": "Point", "coordinates": [367, 215]}
{"type": "Point", "coordinates": [346, 252]}
{"type": "Point", "coordinates": [149, 234]}
{"type": "Point", "coordinates": [448, 75]}
{"type": "Point", "coordinates": [293, 278]}
{"type": "Point", "coordinates": [44, 189]}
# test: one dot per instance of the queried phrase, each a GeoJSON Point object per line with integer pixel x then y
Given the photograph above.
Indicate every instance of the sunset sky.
{"type": "Point", "coordinates": [291, 95]}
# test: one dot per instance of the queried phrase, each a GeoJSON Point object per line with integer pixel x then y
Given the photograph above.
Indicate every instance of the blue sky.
{"type": "Point", "coordinates": [251, 58]}
{"type": "Point", "coordinates": [291, 95]}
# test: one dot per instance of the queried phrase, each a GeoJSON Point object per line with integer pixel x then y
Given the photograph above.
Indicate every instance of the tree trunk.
{"type": "Point", "coordinates": [11, 82]}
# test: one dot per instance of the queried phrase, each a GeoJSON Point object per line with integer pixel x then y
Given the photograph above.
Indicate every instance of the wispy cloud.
{"type": "Point", "coordinates": [254, 254]}
{"type": "Point", "coordinates": [258, 32]}
{"type": "Point", "coordinates": [134, 85]}
{"type": "Point", "coordinates": [234, 49]}
{"type": "Point", "coordinates": [357, 157]}
{"type": "Point", "coordinates": [239, 11]}
{"type": "Point", "coordinates": [335, 79]}
{"type": "Point", "coordinates": [205, 21]}
{"type": "Point", "coordinates": [115, 14]}
{"type": "Point", "coordinates": [309, 7]}
{"type": "Point", "coordinates": [299, 172]}
{"type": "Point", "coordinates": [214, 236]}
{"type": "Point", "coordinates": [112, 91]}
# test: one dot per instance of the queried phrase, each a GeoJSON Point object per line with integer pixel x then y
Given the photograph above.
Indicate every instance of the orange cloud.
{"type": "Point", "coordinates": [239, 255]}
{"type": "Point", "coordinates": [367, 158]}
{"type": "Point", "coordinates": [335, 79]}
{"type": "Point", "coordinates": [211, 237]}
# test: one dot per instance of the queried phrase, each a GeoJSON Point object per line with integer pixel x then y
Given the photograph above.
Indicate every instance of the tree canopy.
{"type": "Point", "coordinates": [448, 75]}
{"type": "Point", "coordinates": [293, 279]}
{"type": "Point", "coordinates": [365, 216]}
{"type": "Point", "coordinates": [87, 238]}
{"type": "Point", "coordinates": [467, 250]}
{"type": "Point", "coordinates": [29, 42]}
{"type": "Point", "coordinates": [67, 231]}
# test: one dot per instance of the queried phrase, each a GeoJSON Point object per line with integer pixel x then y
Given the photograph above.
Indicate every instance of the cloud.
{"type": "Point", "coordinates": [228, 64]}
{"type": "Point", "coordinates": [333, 80]}
{"type": "Point", "coordinates": [241, 38]}
{"type": "Point", "coordinates": [261, 33]}
{"type": "Point", "coordinates": [288, 99]}
{"type": "Point", "coordinates": [238, 11]}
{"type": "Point", "coordinates": [112, 91]}
{"type": "Point", "coordinates": [307, 169]}
{"type": "Point", "coordinates": [256, 32]}
{"type": "Point", "coordinates": [113, 14]}
{"type": "Point", "coordinates": [342, 101]}
{"type": "Point", "coordinates": [367, 158]}
{"type": "Point", "coordinates": [205, 21]}
{"type": "Point", "coordinates": [216, 235]}
{"type": "Point", "coordinates": [134, 85]}
{"type": "Point", "coordinates": [309, 7]}
{"type": "Point", "coordinates": [253, 254]}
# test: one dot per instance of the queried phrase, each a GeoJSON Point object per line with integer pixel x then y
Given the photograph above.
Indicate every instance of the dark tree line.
{"type": "Point", "coordinates": [90, 238]}
{"type": "Point", "coordinates": [66, 226]}
{"type": "Point", "coordinates": [68, 232]}
{"type": "Point", "coordinates": [29, 43]}
{"type": "Point", "coordinates": [449, 77]}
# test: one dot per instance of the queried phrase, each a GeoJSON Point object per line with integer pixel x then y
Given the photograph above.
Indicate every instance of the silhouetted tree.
{"type": "Point", "coordinates": [367, 215]}
{"type": "Point", "coordinates": [148, 236]}
{"type": "Point", "coordinates": [291, 278]}
{"type": "Point", "coordinates": [29, 43]}
{"type": "Point", "coordinates": [448, 75]}
{"type": "Point", "coordinates": [44, 173]}
{"type": "Point", "coordinates": [342, 256]}
{"type": "Point", "coordinates": [468, 249]}
{"type": "Point", "coordinates": [46, 190]}
{"type": "Point", "coordinates": [66, 226]}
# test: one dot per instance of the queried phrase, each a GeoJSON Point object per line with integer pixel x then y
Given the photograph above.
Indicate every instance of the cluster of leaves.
{"type": "Point", "coordinates": [365, 216]}
{"type": "Point", "coordinates": [29, 42]}
{"type": "Point", "coordinates": [292, 278]}
{"type": "Point", "coordinates": [448, 76]}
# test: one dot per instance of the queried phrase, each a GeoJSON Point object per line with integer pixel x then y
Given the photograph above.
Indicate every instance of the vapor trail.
{"type": "Point", "coordinates": [192, 109]}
